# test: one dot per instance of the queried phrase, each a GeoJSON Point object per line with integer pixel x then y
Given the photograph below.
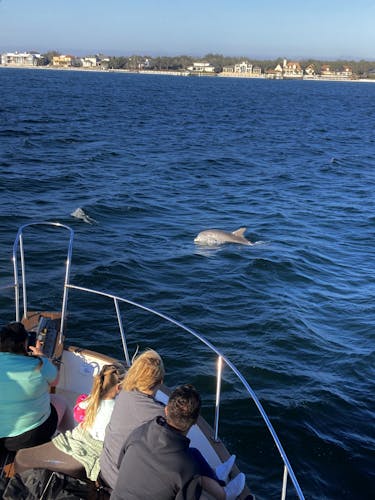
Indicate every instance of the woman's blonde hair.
{"type": "Point", "coordinates": [145, 374]}
{"type": "Point", "coordinates": [104, 381]}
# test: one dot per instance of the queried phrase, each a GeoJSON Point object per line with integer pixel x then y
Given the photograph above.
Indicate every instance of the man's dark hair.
{"type": "Point", "coordinates": [183, 407]}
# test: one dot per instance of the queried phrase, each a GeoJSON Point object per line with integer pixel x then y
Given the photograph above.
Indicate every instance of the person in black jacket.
{"type": "Point", "coordinates": [156, 461]}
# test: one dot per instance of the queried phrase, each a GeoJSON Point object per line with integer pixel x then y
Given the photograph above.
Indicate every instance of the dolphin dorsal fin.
{"type": "Point", "coordinates": [239, 232]}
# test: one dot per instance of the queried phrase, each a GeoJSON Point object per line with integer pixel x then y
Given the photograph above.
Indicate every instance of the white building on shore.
{"type": "Point", "coordinates": [20, 58]}
{"type": "Point", "coordinates": [90, 62]}
{"type": "Point", "coordinates": [243, 69]}
{"type": "Point", "coordinates": [201, 67]}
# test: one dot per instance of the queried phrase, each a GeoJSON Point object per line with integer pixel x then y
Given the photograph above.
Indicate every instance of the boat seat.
{"type": "Point", "coordinates": [47, 456]}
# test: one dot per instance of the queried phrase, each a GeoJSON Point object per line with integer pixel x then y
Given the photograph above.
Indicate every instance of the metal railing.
{"type": "Point", "coordinates": [221, 358]}
{"type": "Point", "coordinates": [19, 253]}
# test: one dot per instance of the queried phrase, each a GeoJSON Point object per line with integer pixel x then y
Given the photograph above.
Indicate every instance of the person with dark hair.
{"type": "Point", "coordinates": [27, 416]}
{"type": "Point", "coordinates": [183, 407]}
{"type": "Point", "coordinates": [156, 461]}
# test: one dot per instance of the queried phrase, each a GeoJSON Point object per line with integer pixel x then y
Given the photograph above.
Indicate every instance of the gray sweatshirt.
{"type": "Point", "coordinates": [132, 409]}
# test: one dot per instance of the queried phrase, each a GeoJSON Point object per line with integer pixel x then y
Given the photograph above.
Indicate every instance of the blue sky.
{"type": "Point", "coordinates": [327, 29]}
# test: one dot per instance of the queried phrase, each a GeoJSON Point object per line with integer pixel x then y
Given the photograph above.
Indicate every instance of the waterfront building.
{"type": "Point", "coordinates": [292, 69]}
{"type": "Point", "coordinates": [346, 73]}
{"type": "Point", "coordinates": [20, 58]}
{"type": "Point", "coordinates": [90, 62]}
{"type": "Point", "coordinates": [325, 71]}
{"type": "Point", "coordinates": [243, 67]}
{"type": "Point", "coordinates": [63, 61]}
{"type": "Point", "coordinates": [310, 70]}
{"type": "Point", "coordinates": [276, 73]}
{"type": "Point", "coordinates": [228, 69]}
{"type": "Point", "coordinates": [201, 67]}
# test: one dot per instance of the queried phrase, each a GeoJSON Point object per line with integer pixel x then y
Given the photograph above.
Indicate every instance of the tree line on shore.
{"type": "Point", "coordinates": [219, 61]}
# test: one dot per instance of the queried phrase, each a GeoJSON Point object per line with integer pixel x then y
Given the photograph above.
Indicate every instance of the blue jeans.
{"type": "Point", "coordinates": [204, 467]}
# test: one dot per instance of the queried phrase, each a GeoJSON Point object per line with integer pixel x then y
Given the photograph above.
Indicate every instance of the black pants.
{"type": "Point", "coordinates": [34, 437]}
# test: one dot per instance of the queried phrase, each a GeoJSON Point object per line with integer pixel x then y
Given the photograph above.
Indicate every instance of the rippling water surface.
{"type": "Point", "coordinates": [155, 160]}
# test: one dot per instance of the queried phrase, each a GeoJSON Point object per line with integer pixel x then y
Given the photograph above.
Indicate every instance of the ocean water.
{"type": "Point", "coordinates": [156, 159]}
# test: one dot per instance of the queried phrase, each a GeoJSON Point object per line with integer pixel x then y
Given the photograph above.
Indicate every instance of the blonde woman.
{"type": "Point", "coordinates": [134, 406]}
{"type": "Point", "coordinates": [81, 446]}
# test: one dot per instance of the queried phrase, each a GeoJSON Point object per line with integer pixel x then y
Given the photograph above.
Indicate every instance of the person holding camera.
{"type": "Point", "coordinates": [28, 417]}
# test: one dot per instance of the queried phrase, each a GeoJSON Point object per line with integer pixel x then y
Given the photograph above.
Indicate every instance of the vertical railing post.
{"type": "Point", "coordinates": [16, 287]}
{"type": "Point", "coordinates": [19, 244]}
{"type": "Point", "coordinates": [218, 395]}
{"type": "Point", "coordinates": [23, 274]}
{"type": "Point", "coordinates": [64, 305]}
{"type": "Point", "coordinates": [285, 480]}
{"type": "Point", "coordinates": [122, 332]}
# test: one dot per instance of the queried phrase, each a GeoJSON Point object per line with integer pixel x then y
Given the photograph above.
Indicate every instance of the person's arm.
{"type": "Point", "coordinates": [50, 372]}
{"type": "Point", "coordinates": [56, 380]}
{"type": "Point", "coordinates": [47, 368]}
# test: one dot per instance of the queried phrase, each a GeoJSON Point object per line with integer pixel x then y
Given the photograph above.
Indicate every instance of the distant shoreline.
{"type": "Point", "coordinates": [180, 73]}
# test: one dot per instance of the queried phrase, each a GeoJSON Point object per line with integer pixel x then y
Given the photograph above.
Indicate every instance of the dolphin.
{"type": "Point", "coordinates": [79, 213]}
{"type": "Point", "coordinates": [218, 237]}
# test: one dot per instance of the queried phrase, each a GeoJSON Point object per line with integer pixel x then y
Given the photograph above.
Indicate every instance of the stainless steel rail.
{"type": "Point", "coordinates": [18, 252]}
{"type": "Point", "coordinates": [287, 469]}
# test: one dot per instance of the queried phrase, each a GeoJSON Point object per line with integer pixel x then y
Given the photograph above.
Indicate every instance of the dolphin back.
{"type": "Point", "coordinates": [79, 213]}
{"type": "Point", "coordinates": [218, 237]}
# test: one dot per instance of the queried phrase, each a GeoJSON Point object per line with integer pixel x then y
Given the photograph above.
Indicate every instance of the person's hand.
{"type": "Point", "coordinates": [37, 349]}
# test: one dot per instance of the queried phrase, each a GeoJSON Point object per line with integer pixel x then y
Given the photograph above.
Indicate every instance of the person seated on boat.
{"type": "Point", "coordinates": [30, 415]}
{"type": "Point", "coordinates": [134, 406]}
{"type": "Point", "coordinates": [157, 462]}
{"type": "Point", "coordinates": [77, 452]}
